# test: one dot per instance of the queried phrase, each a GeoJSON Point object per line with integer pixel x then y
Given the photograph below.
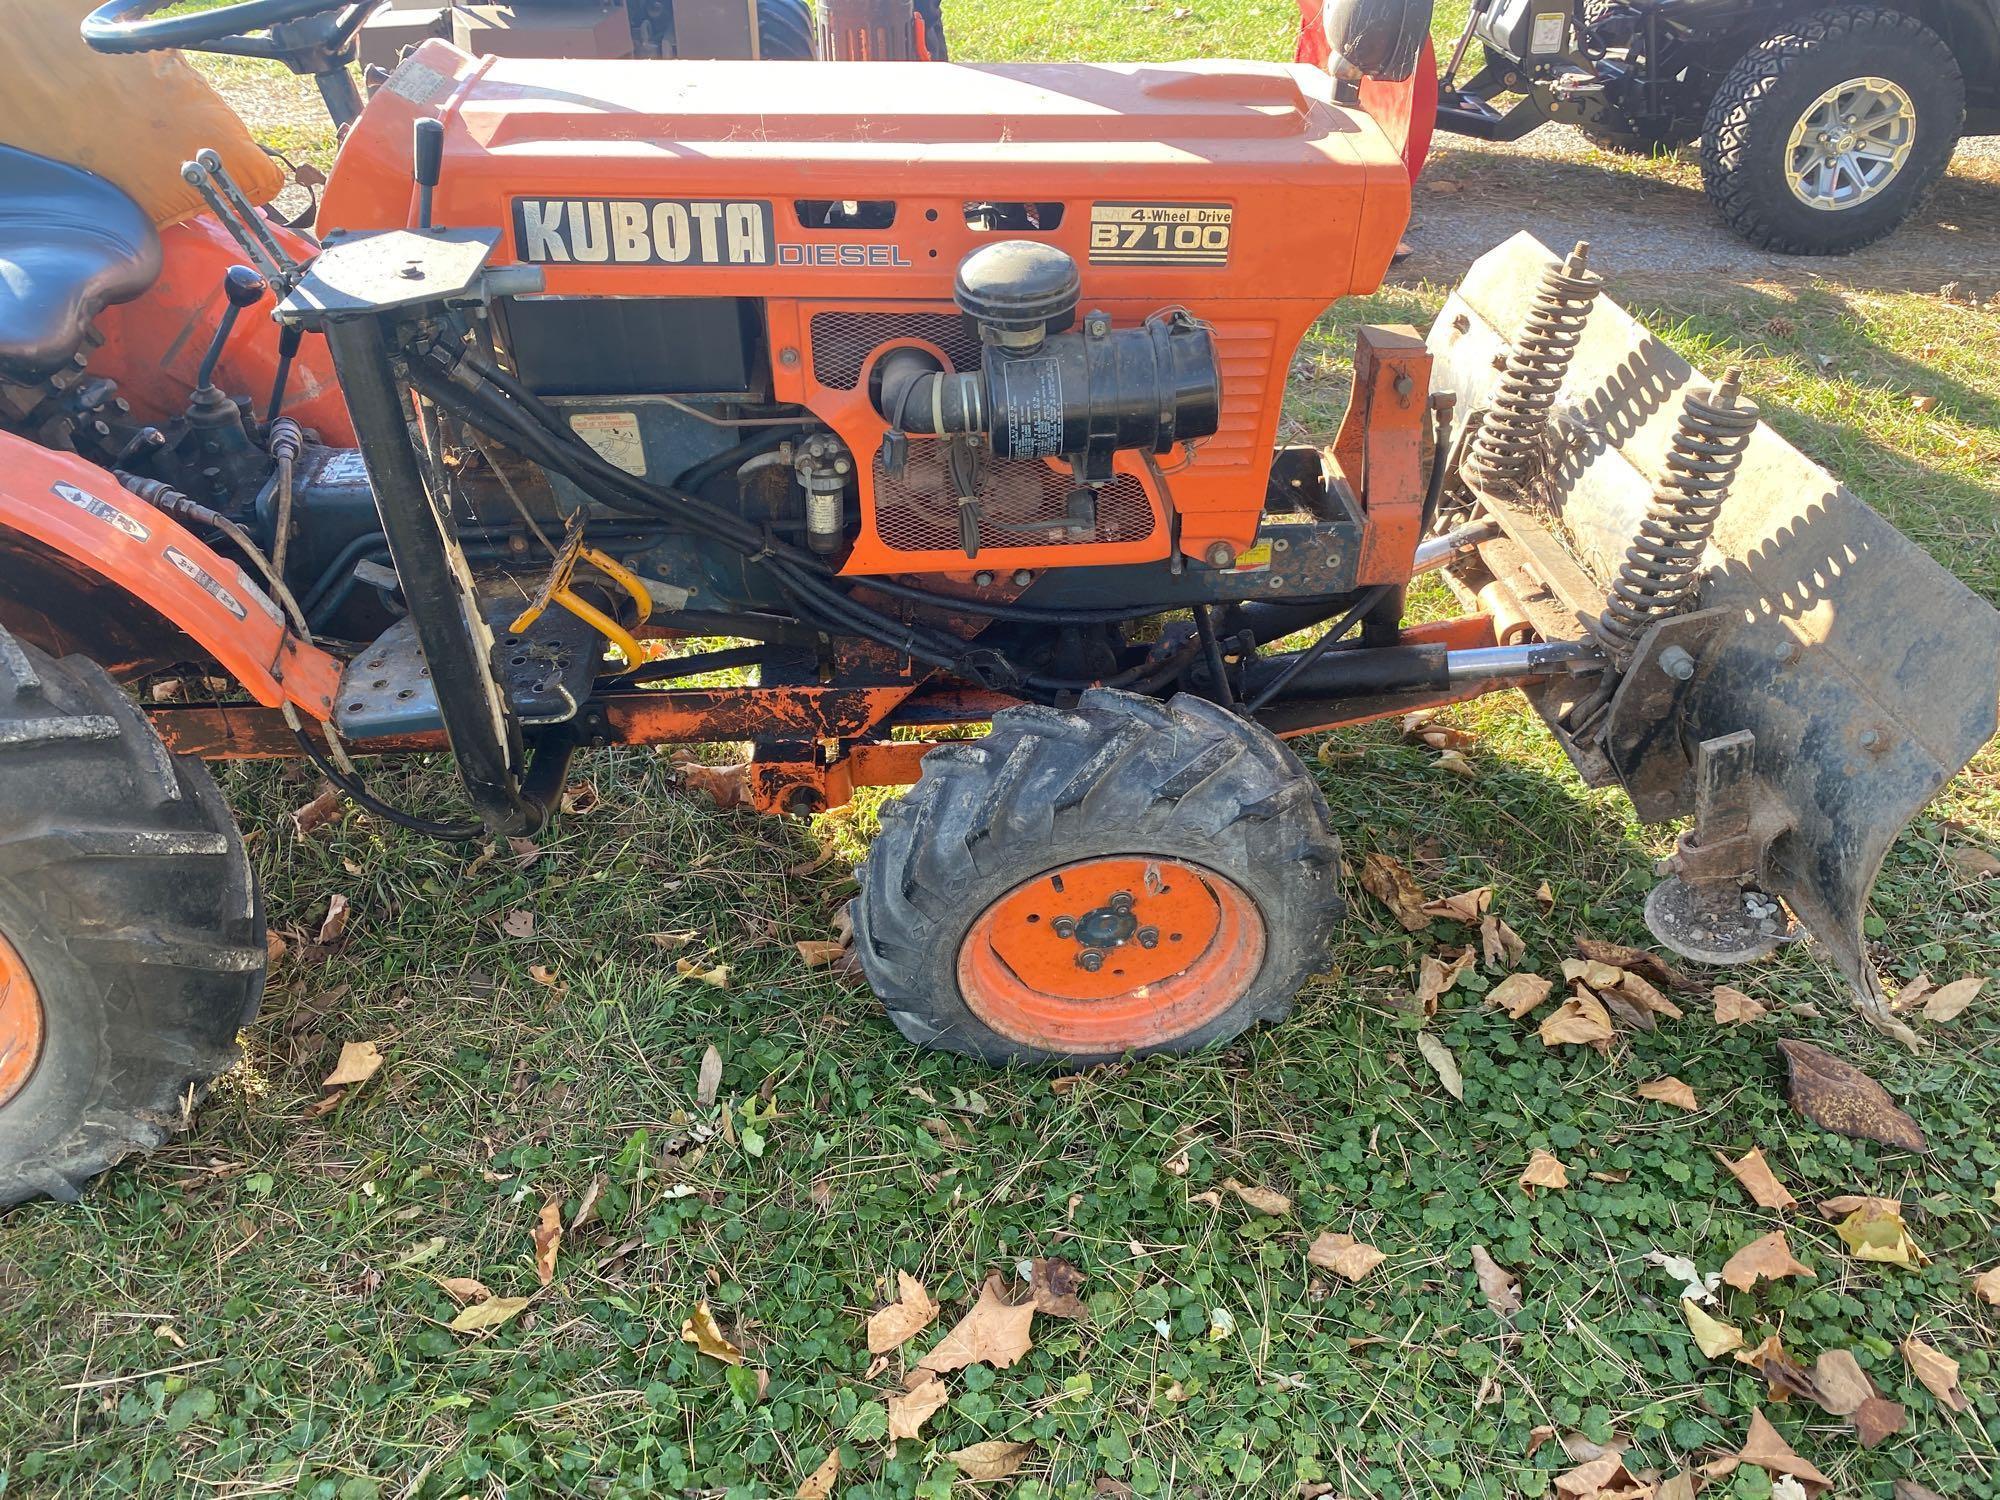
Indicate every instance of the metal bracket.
{"type": "Point", "coordinates": [1644, 732]}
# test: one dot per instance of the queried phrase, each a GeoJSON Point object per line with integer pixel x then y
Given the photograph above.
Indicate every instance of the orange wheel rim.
{"type": "Point", "coordinates": [1111, 955]}
{"type": "Point", "coordinates": [20, 1022]}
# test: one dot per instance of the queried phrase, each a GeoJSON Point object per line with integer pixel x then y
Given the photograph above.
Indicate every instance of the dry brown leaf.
{"type": "Point", "coordinates": [819, 1484]}
{"type": "Point", "coordinates": [1438, 1055]}
{"type": "Point", "coordinates": [1056, 1286]}
{"type": "Point", "coordinates": [1876, 1232]}
{"type": "Point", "coordinates": [333, 926]}
{"type": "Point", "coordinates": [1784, 1375]}
{"type": "Point", "coordinates": [1592, 972]}
{"type": "Point", "coordinates": [490, 1313]}
{"type": "Point", "coordinates": [708, 1082]}
{"type": "Point", "coordinates": [1578, 1021]}
{"type": "Point", "coordinates": [1590, 1481]}
{"type": "Point", "coordinates": [1847, 1203]}
{"type": "Point", "coordinates": [1457, 764]}
{"type": "Point", "coordinates": [1435, 976]}
{"type": "Point", "coordinates": [982, 1462]}
{"type": "Point", "coordinates": [358, 1062]}
{"type": "Point", "coordinates": [1841, 1383]}
{"type": "Point", "coordinates": [1947, 1003]}
{"type": "Point", "coordinates": [1344, 1255]}
{"type": "Point", "coordinates": [548, 1239]}
{"type": "Point", "coordinates": [1876, 1420]}
{"type": "Point", "coordinates": [1909, 1489]}
{"type": "Point", "coordinates": [518, 923]}
{"type": "Point", "coordinates": [1263, 1199]}
{"type": "Point", "coordinates": [543, 975]}
{"type": "Point", "coordinates": [1545, 898]}
{"type": "Point", "coordinates": [581, 798]}
{"type": "Point", "coordinates": [1969, 859]}
{"type": "Point", "coordinates": [672, 942]}
{"type": "Point", "coordinates": [701, 1330]}
{"type": "Point", "coordinates": [1937, 1371]}
{"type": "Point", "coordinates": [1679, 1487]}
{"type": "Point", "coordinates": [1771, 1453]}
{"type": "Point", "coordinates": [1669, 1090]}
{"type": "Point", "coordinates": [903, 1319]}
{"type": "Point", "coordinates": [586, 1208]}
{"type": "Point", "coordinates": [1466, 906]}
{"type": "Point", "coordinates": [1911, 993]}
{"type": "Point", "coordinates": [1766, 1258]}
{"type": "Point", "coordinates": [995, 1331]}
{"type": "Point", "coordinates": [316, 814]}
{"type": "Point", "coordinates": [463, 1289]}
{"type": "Point", "coordinates": [1732, 1006]}
{"type": "Point", "coordinates": [1500, 945]}
{"type": "Point", "coordinates": [1500, 1286]}
{"type": "Point", "coordinates": [1538, 1436]}
{"type": "Point", "coordinates": [1758, 1180]}
{"type": "Point", "coordinates": [1387, 881]}
{"type": "Point", "coordinates": [1637, 960]}
{"type": "Point", "coordinates": [1643, 994]}
{"type": "Point", "coordinates": [1544, 1171]}
{"type": "Point", "coordinates": [909, 1410]}
{"type": "Point", "coordinates": [1986, 1287]}
{"type": "Point", "coordinates": [819, 952]}
{"type": "Point", "coordinates": [1518, 994]}
{"type": "Point", "coordinates": [725, 786]}
{"type": "Point", "coordinates": [1712, 1336]}
{"type": "Point", "coordinates": [1838, 1096]}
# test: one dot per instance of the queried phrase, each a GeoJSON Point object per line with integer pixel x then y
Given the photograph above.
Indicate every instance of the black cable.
{"type": "Point", "coordinates": [451, 833]}
{"type": "Point", "coordinates": [1204, 624]}
{"type": "Point", "coordinates": [670, 668]}
{"type": "Point", "coordinates": [1319, 647]}
{"type": "Point", "coordinates": [697, 475]}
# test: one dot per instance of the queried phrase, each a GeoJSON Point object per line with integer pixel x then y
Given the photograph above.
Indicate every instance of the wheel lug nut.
{"type": "Point", "coordinates": [1064, 927]}
{"type": "Point", "coordinates": [1090, 960]}
{"type": "Point", "coordinates": [1149, 937]}
{"type": "Point", "coordinates": [1122, 902]}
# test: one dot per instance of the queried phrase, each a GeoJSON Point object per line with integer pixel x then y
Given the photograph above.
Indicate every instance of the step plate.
{"type": "Point", "coordinates": [545, 673]}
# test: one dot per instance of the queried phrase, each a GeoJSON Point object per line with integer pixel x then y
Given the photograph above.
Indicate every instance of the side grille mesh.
{"type": "Point", "coordinates": [919, 513]}
{"type": "Point", "coordinates": [842, 341]}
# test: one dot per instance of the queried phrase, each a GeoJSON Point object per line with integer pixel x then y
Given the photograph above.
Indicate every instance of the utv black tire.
{"type": "Point", "coordinates": [1772, 88]}
{"type": "Point", "coordinates": [126, 894]}
{"type": "Point", "coordinates": [1120, 780]}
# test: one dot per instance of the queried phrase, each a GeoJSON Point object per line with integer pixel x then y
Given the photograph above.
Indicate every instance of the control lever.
{"type": "Point", "coordinates": [427, 152]}
{"type": "Point", "coordinates": [243, 288]}
{"type": "Point", "coordinates": [207, 176]}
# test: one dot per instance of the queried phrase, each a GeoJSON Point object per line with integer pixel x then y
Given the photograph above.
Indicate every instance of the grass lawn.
{"type": "Point", "coordinates": [260, 1308]}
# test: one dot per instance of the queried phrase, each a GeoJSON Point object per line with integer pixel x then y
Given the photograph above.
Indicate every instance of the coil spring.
{"type": "Point", "coordinates": [1660, 565]}
{"type": "Point", "coordinates": [1506, 452]}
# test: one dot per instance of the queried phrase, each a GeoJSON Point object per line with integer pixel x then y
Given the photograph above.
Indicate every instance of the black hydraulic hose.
{"type": "Point", "coordinates": [451, 833]}
{"type": "Point", "coordinates": [672, 668]}
{"type": "Point", "coordinates": [1204, 624]}
{"type": "Point", "coordinates": [697, 475]}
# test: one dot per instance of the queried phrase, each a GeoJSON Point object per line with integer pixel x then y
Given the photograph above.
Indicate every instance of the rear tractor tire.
{"type": "Point", "coordinates": [1127, 878]}
{"type": "Point", "coordinates": [131, 938]}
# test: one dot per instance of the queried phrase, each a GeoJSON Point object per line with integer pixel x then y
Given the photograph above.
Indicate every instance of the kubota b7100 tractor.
{"type": "Point", "coordinates": [950, 393]}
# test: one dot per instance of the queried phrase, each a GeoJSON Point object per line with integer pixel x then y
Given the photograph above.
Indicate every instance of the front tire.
{"type": "Point", "coordinates": [1126, 878]}
{"type": "Point", "coordinates": [131, 938]}
{"type": "Point", "coordinates": [1827, 136]}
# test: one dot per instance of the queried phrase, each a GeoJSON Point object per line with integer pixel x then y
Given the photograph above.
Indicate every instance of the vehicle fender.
{"type": "Point", "coordinates": [81, 511]}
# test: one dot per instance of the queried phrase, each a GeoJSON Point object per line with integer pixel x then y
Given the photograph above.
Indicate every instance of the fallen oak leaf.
{"type": "Point", "coordinates": [1771, 1453]}
{"type": "Point", "coordinates": [1578, 1021]}
{"type": "Point", "coordinates": [489, 1313]}
{"type": "Point", "coordinates": [982, 1462]}
{"type": "Point", "coordinates": [700, 1329]}
{"type": "Point", "coordinates": [1500, 1286]}
{"type": "Point", "coordinates": [1264, 1200]}
{"type": "Point", "coordinates": [1543, 1171]}
{"type": "Point", "coordinates": [1837, 1096]}
{"type": "Point", "coordinates": [1384, 878]}
{"type": "Point", "coordinates": [1766, 1258]}
{"type": "Point", "coordinates": [1467, 906]}
{"type": "Point", "coordinates": [1948, 1003]}
{"type": "Point", "coordinates": [1937, 1370]}
{"type": "Point", "coordinates": [1669, 1090]}
{"type": "Point", "coordinates": [1712, 1336]}
{"type": "Point", "coordinates": [1438, 1055]}
{"type": "Point", "coordinates": [548, 1238]}
{"type": "Point", "coordinates": [1344, 1255]}
{"type": "Point", "coordinates": [911, 1313]}
{"type": "Point", "coordinates": [358, 1062]}
{"type": "Point", "coordinates": [994, 1331]}
{"type": "Point", "coordinates": [1435, 976]}
{"type": "Point", "coordinates": [1733, 1007]}
{"type": "Point", "coordinates": [819, 1484]}
{"type": "Point", "coordinates": [1758, 1180]}
{"type": "Point", "coordinates": [909, 1410]}
{"type": "Point", "coordinates": [1056, 1282]}
{"type": "Point", "coordinates": [1518, 994]}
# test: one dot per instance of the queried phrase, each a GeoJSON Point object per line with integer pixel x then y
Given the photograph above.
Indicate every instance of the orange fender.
{"type": "Point", "coordinates": [81, 511]}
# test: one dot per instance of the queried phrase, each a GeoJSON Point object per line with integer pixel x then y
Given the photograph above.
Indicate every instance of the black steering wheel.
{"type": "Point", "coordinates": [313, 37]}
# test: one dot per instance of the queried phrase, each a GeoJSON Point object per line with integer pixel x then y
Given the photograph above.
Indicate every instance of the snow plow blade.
{"type": "Point", "coordinates": [1816, 682]}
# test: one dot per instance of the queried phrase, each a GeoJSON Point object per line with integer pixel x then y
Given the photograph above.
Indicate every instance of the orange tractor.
{"type": "Point", "coordinates": [946, 395]}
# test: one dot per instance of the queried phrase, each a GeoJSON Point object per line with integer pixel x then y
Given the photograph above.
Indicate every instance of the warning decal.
{"type": "Point", "coordinates": [1160, 234]}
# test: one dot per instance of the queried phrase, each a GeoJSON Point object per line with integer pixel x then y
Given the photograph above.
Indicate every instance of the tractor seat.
{"type": "Point", "coordinates": [70, 245]}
